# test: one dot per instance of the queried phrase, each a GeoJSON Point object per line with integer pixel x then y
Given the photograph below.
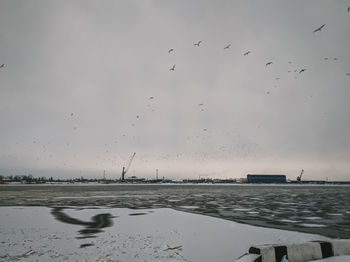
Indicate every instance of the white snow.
{"type": "Point", "coordinates": [32, 234]}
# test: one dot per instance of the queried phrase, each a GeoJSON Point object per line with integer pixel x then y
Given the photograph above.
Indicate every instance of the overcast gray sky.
{"type": "Point", "coordinates": [76, 88]}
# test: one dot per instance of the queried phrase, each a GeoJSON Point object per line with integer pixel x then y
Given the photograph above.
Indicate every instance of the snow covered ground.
{"type": "Point", "coordinates": [120, 234]}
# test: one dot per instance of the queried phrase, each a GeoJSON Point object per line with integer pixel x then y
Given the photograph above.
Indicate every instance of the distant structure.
{"type": "Point", "coordinates": [125, 170]}
{"type": "Point", "coordinates": [299, 177]}
{"type": "Point", "coordinates": [266, 178]}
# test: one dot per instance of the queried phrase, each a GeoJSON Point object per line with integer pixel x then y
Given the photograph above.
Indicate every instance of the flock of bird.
{"type": "Point", "coordinates": [197, 44]}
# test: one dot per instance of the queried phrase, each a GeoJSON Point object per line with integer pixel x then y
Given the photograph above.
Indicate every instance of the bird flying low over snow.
{"type": "Point", "coordinates": [227, 47]}
{"type": "Point", "coordinates": [302, 70]}
{"type": "Point", "coordinates": [197, 44]}
{"type": "Point", "coordinates": [246, 53]}
{"type": "Point", "coordinates": [173, 68]}
{"type": "Point", "coordinates": [171, 50]}
{"type": "Point", "coordinates": [269, 63]}
{"type": "Point", "coordinates": [319, 29]}
{"type": "Point", "coordinates": [3, 65]}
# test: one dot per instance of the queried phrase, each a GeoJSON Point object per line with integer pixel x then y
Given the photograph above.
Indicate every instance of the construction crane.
{"type": "Point", "coordinates": [125, 170]}
{"type": "Point", "coordinates": [299, 177]}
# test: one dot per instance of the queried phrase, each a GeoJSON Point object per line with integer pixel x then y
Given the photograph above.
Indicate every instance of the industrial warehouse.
{"type": "Point", "coordinates": [268, 178]}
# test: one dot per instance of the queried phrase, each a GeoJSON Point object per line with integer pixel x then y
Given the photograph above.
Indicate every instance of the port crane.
{"type": "Point", "coordinates": [299, 177]}
{"type": "Point", "coordinates": [125, 170]}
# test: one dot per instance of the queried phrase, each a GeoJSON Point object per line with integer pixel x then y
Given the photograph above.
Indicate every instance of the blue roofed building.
{"type": "Point", "coordinates": [266, 178]}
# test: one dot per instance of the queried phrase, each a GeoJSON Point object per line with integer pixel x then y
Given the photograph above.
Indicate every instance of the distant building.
{"type": "Point", "coordinates": [257, 178]}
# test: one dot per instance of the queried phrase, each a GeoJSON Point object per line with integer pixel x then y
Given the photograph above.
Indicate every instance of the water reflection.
{"type": "Point", "coordinates": [91, 227]}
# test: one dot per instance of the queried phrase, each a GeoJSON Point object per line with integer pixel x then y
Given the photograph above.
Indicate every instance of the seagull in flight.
{"type": "Point", "coordinates": [302, 70]}
{"type": "Point", "coordinates": [173, 68]}
{"type": "Point", "coordinates": [171, 50]}
{"type": "Point", "coordinates": [3, 65]}
{"type": "Point", "coordinates": [319, 29]}
{"type": "Point", "coordinates": [246, 53]}
{"type": "Point", "coordinates": [269, 63]}
{"type": "Point", "coordinates": [227, 47]}
{"type": "Point", "coordinates": [197, 44]}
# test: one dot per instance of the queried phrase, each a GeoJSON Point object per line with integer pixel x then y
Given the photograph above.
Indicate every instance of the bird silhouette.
{"type": "Point", "coordinates": [269, 63]}
{"type": "Point", "coordinates": [173, 68]}
{"type": "Point", "coordinates": [227, 47]}
{"type": "Point", "coordinates": [348, 9]}
{"type": "Point", "coordinates": [302, 70]}
{"type": "Point", "coordinates": [3, 65]}
{"type": "Point", "coordinates": [246, 53]}
{"type": "Point", "coordinates": [171, 50]}
{"type": "Point", "coordinates": [197, 44]}
{"type": "Point", "coordinates": [348, 74]}
{"type": "Point", "coordinates": [151, 97]}
{"type": "Point", "coordinates": [319, 29]}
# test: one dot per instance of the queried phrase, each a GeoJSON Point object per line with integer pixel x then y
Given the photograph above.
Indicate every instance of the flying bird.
{"type": "Point", "coordinates": [348, 74]}
{"type": "Point", "coordinates": [302, 70]}
{"type": "Point", "coordinates": [227, 47]}
{"type": "Point", "coordinates": [200, 104]}
{"type": "Point", "coordinates": [3, 65]}
{"type": "Point", "coordinates": [319, 29]}
{"type": "Point", "coordinates": [71, 114]}
{"type": "Point", "coordinates": [171, 50]}
{"type": "Point", "coordinates": [151, 97]}
{"type": "Point", "coordinates": [269, 63]}
{"type": "Point", "coordinates": [197, 44]}
{"type": "Point", "coordinates": [348, 9]}
{"type": "Point", "coordinates": [173, 68]}
{"type": "Point", "coordinates": [246, 53]}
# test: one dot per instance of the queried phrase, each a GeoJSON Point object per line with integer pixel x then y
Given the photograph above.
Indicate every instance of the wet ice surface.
{"type": "Point", "coordinates": [114, 234]}
{"type": "Point", "coordinates": [314, 209]}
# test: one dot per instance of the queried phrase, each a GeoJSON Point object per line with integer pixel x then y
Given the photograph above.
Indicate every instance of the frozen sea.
{"type": "Point", "coordinates": [164, 222]}
{"type": "Point", "coordinates": [323, 209]}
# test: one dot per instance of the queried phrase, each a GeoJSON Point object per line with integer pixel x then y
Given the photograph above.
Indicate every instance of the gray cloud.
{"type": "Point", "coordinates": [103, 61]}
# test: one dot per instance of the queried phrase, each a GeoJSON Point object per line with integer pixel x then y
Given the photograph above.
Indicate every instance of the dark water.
{"type": "Point", "coordinates": [322, 209]}
{"type": "Point", "coordinates": [91, 228]}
